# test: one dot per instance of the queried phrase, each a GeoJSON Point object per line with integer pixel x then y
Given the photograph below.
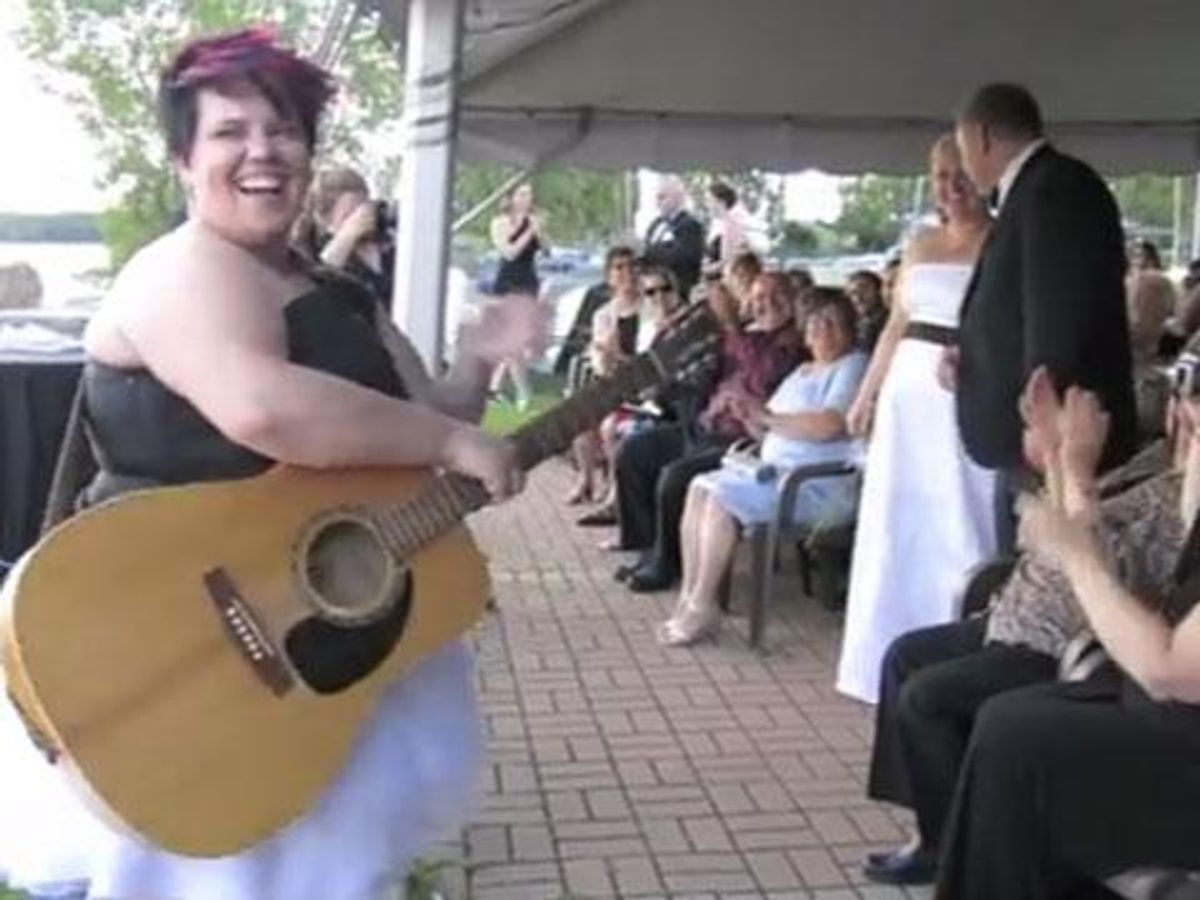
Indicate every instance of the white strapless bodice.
{"type": "Point", "coordinates": [933, 292]}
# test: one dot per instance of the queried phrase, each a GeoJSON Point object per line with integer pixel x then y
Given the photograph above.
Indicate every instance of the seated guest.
{"type": "Point", "coordinates": [619, 335]}
{"type": "Point", "coordinates": [1150, 301]}
{"type": "Point", "coordinates": [740, 275]}
{"type": "Point", "coordinates": [724, 306]}
{"type": "Point", "coordinates": [802, 281]}
{"type": "Point", "coordinates": [1186, 320]}
{"type": "Point", "coordinates": [866, 292]}
{"type": "Point", "coordinates": [1144, 257]}
{"type": "Point", "coordinates": [890, 276]}
{"type": "Point", "coordinates": [613, 330]}
{"type": "Point", "coordinates": [935, 680]}
{"type": "Point", "coordinates": [654, 466]}
{"type": "Point", "coordinates": [803, 423]}
{"type": "Point", "coordinates": [1063, 783]}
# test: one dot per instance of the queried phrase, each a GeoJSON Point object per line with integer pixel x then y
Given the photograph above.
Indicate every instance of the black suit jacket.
{"type": "Point", "coordinates": [1048, 290]}
{"type": "Point", "coordinates": [677, 243]}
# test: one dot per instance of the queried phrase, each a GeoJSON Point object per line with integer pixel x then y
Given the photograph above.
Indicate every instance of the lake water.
{"type": "Point", "coordinates": [62, 268]}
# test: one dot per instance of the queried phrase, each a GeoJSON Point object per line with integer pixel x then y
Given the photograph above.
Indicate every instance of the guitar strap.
{"type": "Point", "coordinates": [71, 469]}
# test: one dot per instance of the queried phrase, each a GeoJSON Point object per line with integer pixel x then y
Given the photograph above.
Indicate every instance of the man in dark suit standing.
{"type": "Point", "coordinates": [1048, 289]}
{"type": "Point", "coordinates": [675, 238]}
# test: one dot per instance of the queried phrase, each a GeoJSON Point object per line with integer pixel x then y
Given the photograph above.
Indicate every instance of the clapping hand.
{"type": "Point", "coordinates": [1053, 532]}
{"type": "Point", "coordinates": [1063, 440]}
{"type": "Point", "coordinates": [507, 328]}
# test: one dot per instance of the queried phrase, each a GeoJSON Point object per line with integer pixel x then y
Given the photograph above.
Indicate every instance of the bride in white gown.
{"type": "Point", "coordinates": [926, 511]}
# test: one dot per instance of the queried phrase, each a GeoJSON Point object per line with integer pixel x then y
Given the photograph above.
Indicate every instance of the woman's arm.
{"type": "Point", "coordinates": [500, 237]}
{"type": "Point", "coordinates": [212, 331]}
{"type": "Point", "coordinates": [356, 227]}
{"type": "Point", "coordinates": [461, 393]}
{"type": "Point", "coordinates": [862, 410]}
{"type": "Point", "coordinates": [1164, 661]}
{"type": "Point", "coordinates": [818, 427]}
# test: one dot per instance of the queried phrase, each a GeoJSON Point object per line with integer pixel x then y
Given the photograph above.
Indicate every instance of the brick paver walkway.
{"type": "Point", "coordinates": [621, 769]}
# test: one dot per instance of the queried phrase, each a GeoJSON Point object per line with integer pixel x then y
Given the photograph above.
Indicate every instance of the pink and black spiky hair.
{"type": "Point", "coordinates": [293, 85]}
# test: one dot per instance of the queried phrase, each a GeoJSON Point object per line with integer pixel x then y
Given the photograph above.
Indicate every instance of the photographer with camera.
{"type": "Point", "coordinates": [358, 235]}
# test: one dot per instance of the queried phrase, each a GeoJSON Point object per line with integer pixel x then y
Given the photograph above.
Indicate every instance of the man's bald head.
{"type": "Point", "coordinates": [672, 195]}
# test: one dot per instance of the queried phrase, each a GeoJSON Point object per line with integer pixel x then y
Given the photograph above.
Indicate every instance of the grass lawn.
{"type": "Point", "coordinates": [503, 417]}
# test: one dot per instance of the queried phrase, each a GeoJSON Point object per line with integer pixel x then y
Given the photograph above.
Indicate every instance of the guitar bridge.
{"type": "Point", "coordinates": [246, 633]}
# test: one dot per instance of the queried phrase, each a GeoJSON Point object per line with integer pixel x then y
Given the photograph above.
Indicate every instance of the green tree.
{"type": "Point", "coordinates": [875, 209]}
{"type": "Point", "coordinates": [759, 191]}
{"type": "Point", "coordinates": [578, 206]}
{"type": "Point", "coordinates": [798, 239]}
{"type": "Point", "coordinates": [103, 57]}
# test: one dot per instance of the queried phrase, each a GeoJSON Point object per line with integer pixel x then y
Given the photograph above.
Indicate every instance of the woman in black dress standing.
{"type": "Point", "coordinates": [516, 233]}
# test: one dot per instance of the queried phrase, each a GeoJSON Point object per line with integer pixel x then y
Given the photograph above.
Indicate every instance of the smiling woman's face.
{"type": "Point", "coordinates": [248, 169]}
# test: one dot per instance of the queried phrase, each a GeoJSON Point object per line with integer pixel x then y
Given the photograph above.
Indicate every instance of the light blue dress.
{"type": "Point", "coordinates": [829, 501]}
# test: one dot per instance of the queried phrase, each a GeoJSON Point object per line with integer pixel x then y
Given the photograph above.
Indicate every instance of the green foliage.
{"type": "Point", "coordinates": [57, 228]}
{"type": "Point", "coordinates": [759, 192]}
{"type": "Point", "coordinates": [798, 239]}
{"type": "Point", "coordinates": [103, 57]}
{"type": "Point", "coordinates": [875, 210]}
{"type": "Point", "coordinates": [577, 206]}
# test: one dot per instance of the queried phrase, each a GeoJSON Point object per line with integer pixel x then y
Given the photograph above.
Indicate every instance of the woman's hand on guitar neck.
{"type": "Point", "coordinates": [473, 452]}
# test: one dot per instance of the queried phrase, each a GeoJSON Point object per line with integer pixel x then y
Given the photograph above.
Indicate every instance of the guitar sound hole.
{"type": "Point", "coordinates": [348, 571]}
{"type": "Point", "coordinates": [331, 657]}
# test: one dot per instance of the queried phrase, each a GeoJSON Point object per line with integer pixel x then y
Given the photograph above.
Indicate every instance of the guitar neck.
{"type": "Point", "coordinates": [451, 497]}
{"type": "Point", "coordinates": [552, 431]}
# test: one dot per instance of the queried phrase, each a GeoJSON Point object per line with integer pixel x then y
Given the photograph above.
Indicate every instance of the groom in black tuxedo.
{"type": "Point", "coordinates": [1048, 289]}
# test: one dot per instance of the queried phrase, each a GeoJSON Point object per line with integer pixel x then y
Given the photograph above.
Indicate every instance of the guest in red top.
{"type": "Point", "coordinates": [655, 466]}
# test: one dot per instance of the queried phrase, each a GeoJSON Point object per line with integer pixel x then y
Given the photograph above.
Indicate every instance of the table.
{"type": "Point", "coordinates": [36, 391]}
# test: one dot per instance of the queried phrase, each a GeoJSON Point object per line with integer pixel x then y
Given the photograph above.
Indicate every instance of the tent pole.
{"type": "Point", "coordinates": [1177, 221]}
{"type": "Point", "coordinates": [485, 204]}
{"type": "Point", "coordinates": [433, 58]}
{"type": "Point", "coordinates": [1196, 221]}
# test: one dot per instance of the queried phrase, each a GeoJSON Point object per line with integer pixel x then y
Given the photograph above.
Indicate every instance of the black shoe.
{"type": "Point", "coordinates": [648, 579]}
{"type": "Point", "coordinates": [908, 865]}
{"type": "Point", "coordinates": [605, 515]}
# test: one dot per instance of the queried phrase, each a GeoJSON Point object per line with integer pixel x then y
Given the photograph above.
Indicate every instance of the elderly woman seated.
{"type": "Point", "coordinates": [1079, 779]}
{"type": "Point", "coordinates": [1150, 301]}
{"type": "Point", "coordinates": [803, 423]}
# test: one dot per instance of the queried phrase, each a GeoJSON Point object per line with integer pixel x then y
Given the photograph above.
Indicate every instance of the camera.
{"type": "Point", "coordinates": [386, 220]}
{"type": "Point", "coordinates": [1185, 376]}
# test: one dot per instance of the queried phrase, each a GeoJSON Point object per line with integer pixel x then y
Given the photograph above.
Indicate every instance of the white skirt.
{"type": "Point", "coordinates": [925, 519]}
{"type": "Point", "coordinates": [410, 779]}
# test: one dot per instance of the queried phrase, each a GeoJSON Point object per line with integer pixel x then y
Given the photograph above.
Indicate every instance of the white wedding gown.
{"type": "Point", "coordinates": [926, 515]}
{"type": "Point", "coordinates": [411, 776]}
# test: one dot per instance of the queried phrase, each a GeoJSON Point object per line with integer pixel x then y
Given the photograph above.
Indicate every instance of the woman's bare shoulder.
{"type": "Point", "coordinates": [925, 244]}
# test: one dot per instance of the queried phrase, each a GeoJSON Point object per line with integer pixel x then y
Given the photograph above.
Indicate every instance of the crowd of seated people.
{"type": "Point", "coordinates": [802, 423]}
{"type": "Point", "coordinates": [1045, 744]}
{"type": "Point", "coordinates": [655, 465]}
{"type": "Point", "coordinates": [1049, 744]}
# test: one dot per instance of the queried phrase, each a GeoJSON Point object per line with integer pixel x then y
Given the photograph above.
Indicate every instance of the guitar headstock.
{"type": "Point", "coordinates": [690, 342]}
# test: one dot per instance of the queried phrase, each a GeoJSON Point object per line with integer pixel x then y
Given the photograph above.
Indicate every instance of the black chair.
{"type": "Point", "coordinates": [820, 548]}
{"type": "Point", "coordinates": [1137, 884]}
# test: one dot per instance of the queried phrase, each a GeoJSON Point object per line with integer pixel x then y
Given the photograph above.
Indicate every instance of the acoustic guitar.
{"type": "Point", "coordinates": [202, 657]}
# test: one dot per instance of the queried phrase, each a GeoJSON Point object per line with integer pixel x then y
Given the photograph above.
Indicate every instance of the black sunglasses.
{"type": "Point", "coordinates": [656, 290]}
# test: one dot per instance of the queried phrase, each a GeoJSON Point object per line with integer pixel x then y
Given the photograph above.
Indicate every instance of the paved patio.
{"type": "Point", "coordinates": [620, 769]}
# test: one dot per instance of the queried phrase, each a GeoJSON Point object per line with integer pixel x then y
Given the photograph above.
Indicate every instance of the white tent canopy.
{"type": "Point", "coordinates": [843, 85]}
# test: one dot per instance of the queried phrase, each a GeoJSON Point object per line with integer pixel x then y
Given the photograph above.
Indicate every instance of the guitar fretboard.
{"type": "Point", "coordinates": [451, 497]}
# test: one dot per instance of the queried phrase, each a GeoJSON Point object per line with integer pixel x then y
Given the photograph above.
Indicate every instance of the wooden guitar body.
{"type": "Point", "coordinates": [203, 657]}
{"type": "Point", "coordinates": [167, 647]}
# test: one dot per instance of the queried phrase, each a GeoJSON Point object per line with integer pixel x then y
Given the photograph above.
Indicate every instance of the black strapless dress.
{"type": "Point", "coordinates": [410, 778]}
